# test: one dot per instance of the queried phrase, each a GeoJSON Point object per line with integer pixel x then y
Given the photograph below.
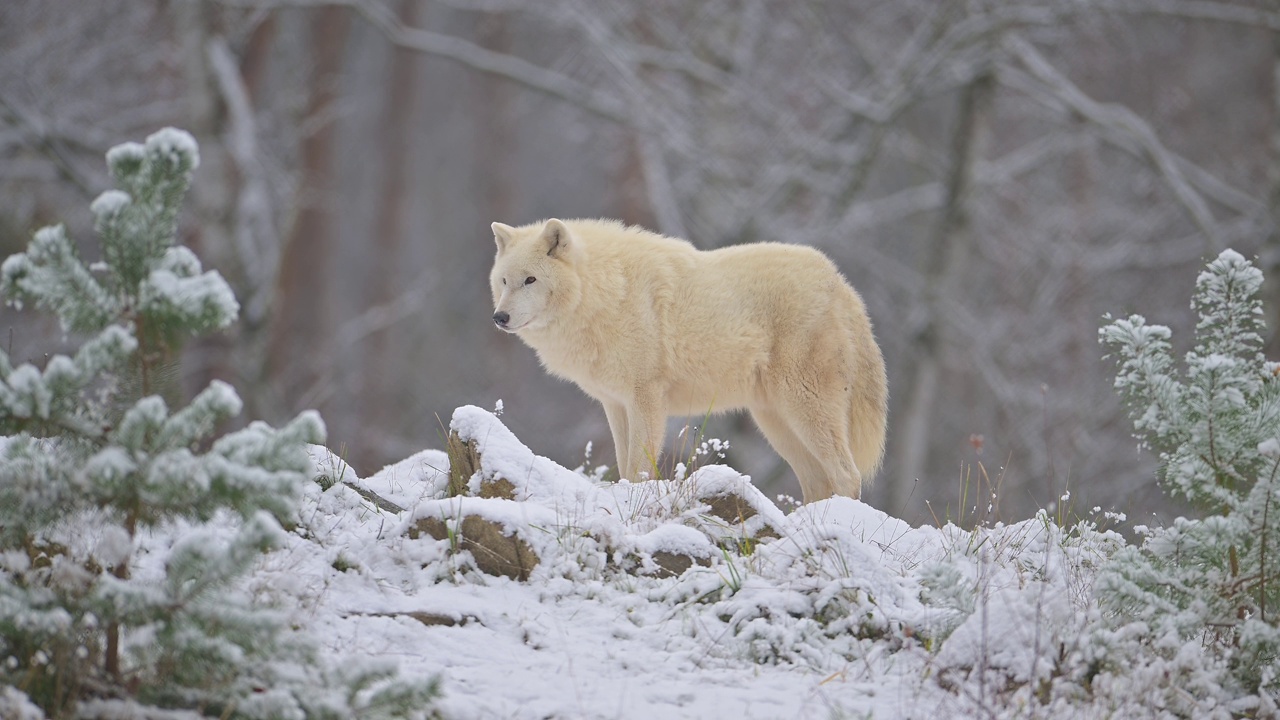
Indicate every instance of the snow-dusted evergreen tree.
{"type": "Point", "coordinates": [1217, 429]}
{"type": "Point", "coordinates": [95, 457]}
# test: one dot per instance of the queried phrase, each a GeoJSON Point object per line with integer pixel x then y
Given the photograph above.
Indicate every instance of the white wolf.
{"type": "Point", "coordinates": [651, 327]}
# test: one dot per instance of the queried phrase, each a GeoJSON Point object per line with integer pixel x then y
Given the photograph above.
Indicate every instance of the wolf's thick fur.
{"type": "Point", "coordinates": [651, 327]}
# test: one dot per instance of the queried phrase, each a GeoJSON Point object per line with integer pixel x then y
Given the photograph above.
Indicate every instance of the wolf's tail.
{"type": "Point", "coordinates": [869, 414]}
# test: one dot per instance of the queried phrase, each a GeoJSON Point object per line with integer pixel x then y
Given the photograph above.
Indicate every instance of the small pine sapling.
{"type": "Point", "coordinates": [1216, 427]}
{"type": "Point", "coordinates": [97, 450]}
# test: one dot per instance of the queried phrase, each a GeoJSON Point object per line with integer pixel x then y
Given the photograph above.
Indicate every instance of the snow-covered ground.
{"type": "Point", "coordinates": [833, 610]}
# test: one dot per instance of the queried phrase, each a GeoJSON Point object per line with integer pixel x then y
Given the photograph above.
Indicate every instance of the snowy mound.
{"type": "Point", "coordinates": [535, 591]}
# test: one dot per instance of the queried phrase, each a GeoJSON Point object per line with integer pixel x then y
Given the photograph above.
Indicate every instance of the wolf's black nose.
{"type": "Point", "coordinates": [501, 319]}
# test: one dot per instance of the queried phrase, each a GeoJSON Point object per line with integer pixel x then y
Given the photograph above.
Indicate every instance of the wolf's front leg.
{"type": "Point", "coordinates": [646, 427]}
{"type": "Point", "coordinates": [616, 413]}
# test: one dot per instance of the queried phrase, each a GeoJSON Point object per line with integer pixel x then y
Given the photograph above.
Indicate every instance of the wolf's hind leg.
{"type": "Point", "coordinates": [814, 483]}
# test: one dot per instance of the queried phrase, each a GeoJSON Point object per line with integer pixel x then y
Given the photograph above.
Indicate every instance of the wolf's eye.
{"type": "Point", "coordinates": [504, 281]}
{"type": "Point", "coordinates": [530, 280]}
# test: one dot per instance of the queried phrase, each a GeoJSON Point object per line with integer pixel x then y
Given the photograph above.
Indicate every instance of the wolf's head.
{"type": "Point", "coordinates": [533, 279]}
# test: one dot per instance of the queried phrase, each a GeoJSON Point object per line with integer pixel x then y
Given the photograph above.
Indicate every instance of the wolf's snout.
{"type": "Point", "coordinates": [501, 319]}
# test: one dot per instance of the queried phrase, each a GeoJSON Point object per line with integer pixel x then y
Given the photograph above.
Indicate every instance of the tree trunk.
{"type": "Point", "coordinates": [209, 236]}
{"type": "Point", "coordinates": [253, 218]}
{"type": "Point", "coordinates": [1270, 259]}
{"type": "Point", "coordinates": [235, 229]}
{"type": "Point", "coordinates": [301, 319]}
{"type": "Point", "coordinates": [944, 264]}
{"type": "Point", "coordinates": [377, 405]}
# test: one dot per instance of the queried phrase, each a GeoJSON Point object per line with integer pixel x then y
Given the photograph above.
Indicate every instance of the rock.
{"type": "Point", "coordinates": [497, 487]}
{"type": "Point", "coordinates": [730, 507]}
{"type": "Point", "coordinates": [431, 526]}
{"type": "Point", "coordinates": [495, 551]}
{"type": "Point", "coordinates": [739, 515]}
{"type": "Point", "coordinates": [673, 550]}
{"type": "Point", "coordinates": [764, 532]}
{"type": "Point", "coordinates": [464, 461]}
{"type": "Point", "coordinates": [674, 564]}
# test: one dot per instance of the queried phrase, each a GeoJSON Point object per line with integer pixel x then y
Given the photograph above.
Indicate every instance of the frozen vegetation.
{"type": "Point", "coordinates": [152, 568]}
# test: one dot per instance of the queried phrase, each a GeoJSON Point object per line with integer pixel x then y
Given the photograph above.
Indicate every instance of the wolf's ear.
{"type": "Point", "coordinates": [502, 235]}
{"type": "Point", "coordinates": [555, 237]}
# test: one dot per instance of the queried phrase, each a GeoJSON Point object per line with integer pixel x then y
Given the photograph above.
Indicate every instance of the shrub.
{"type": "Point", "coordinates": [1216, 426]}
{"type": "Point", "coordinates": [97, 455]}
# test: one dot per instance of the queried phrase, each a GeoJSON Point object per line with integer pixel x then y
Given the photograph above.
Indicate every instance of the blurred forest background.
{"type": "Point", "coordinates": [992, 175]}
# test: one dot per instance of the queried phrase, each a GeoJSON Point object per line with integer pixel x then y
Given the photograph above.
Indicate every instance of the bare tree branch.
{"type": "Point", "coordinates": [949, 247]}
{"type": "Point", "coordinates": [1121, 120]}
{"type": "Point", "coordinates": [354, 330]}
{"type": "Point", "coordinates": [257, 241]}
{"type": "Point", "coordinates": [657, 180]}
{"type": "Point", "coordinates": [468, 54]}
{"type": "Point", "coordinates": [1200, 10]}
{"type": "Point", "coordinates": [1202, 180]}
{"type": "Point", "coordinates": [928, 196]}
{"type": "Point", "coordinates": [46, 143]}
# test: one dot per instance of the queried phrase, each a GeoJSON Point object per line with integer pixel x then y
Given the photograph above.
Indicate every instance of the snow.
{"type": "Point", "coordinates": [418, 477]}
{"type": "Point", "coordinates": [15, 706]}
{"type": "Point", "coordinates": [180, 261]}
{"type": "Point", "coordinates": [114, 546]}
{"type": "Point", "coordinates": [504, 456]}
{"type": "Point", "coordinates": [206, 295]}
{"type": "Point", "coordinates": [675, 539]}
{"type": "Point", "coordinates": [174, 145]}
{"type": "Point", "coordinates": [844, 611]}
{"type": "Point", "coordinates": [110, 202]}
{"type": "Point", "coordinates": [693, 597]}
{"type": "Point", "coordinates": [109, 465]}
{"type": "Point", "coordinates": [26, 395]}
{"type": "Point", "coordinates": [127, 152]}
